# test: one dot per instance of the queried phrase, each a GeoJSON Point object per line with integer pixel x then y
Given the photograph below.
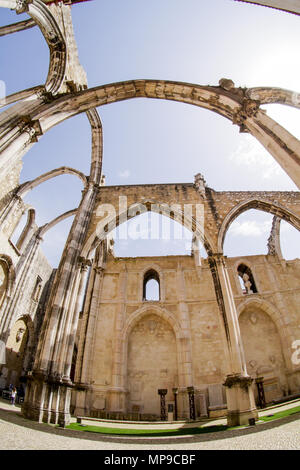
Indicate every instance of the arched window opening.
{"type": "Point", "coordinates": [151, 286]}
{"type": "Point", "coordinates": [246, 280]}
{"type": "Point", "coordinates": [20, 227]}
{"type": "Point", "coordinates": [289, 241]}
{"type": "Point", "coordinates": [248, 234]}
{"type": "Point", "coordinates": [37, 289]}
{"type": "Point", "coordinates": [4, 278]}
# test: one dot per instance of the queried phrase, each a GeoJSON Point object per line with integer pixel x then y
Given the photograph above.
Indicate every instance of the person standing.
{"type": "Point", "coordinates": [13, 395]}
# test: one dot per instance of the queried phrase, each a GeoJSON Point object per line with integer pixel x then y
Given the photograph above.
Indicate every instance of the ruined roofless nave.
{"type": "Point", "coordinates": [220, 338]}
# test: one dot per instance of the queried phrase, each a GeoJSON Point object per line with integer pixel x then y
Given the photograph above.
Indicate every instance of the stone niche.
{"type": "Point", "coordinates": [263, 350]}
{"type": "Point", "coordinates": [152, 364]}
{"type": "Point", "coordinates": [15, 352]}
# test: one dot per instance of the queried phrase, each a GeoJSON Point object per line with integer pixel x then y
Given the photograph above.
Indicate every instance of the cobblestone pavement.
{"type": "Point", "coordinates": [17, 433]}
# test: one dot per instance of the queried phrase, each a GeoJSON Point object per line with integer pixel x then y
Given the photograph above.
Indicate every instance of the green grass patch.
{"type": "Point", "coordinates": [147, 432]}
{"type": "Point", "coordinates": [174, 432]}
{"type": "Point", "coordinates": [280, 414]}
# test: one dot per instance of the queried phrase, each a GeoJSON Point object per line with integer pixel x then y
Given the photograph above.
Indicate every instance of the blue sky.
{"type": "Point", "coordinates": [152, 141]}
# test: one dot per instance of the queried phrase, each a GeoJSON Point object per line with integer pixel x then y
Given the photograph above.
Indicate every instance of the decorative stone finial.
{"type": "Point", "coordinates": [200, 182]}
{"type": "Point", "coordinates": [226, 84]}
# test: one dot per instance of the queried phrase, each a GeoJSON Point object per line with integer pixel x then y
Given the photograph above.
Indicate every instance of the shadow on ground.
{"type": "Point", "coordinates": [14, 416]}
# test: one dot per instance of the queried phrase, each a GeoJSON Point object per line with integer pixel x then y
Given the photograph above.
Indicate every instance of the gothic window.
{"type": "Point", "coordinates": [246, 279]}
{"type": "Point", "coordinates": [37, 289]}
{"type": "Point", "coordinates": [151, 286]}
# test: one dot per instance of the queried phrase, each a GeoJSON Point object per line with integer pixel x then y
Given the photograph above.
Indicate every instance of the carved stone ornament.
{"type": "Point", "coordinates": [22, 6]}
{"type": "Point", "coordinates": [226, 83]}
{"type": "Point", "coordinates": [247, 110]}
{"type": "Point", "coordinates": [236, 379]}
{"type": "Point", "coordinates": [252, 363]}
{"type": "Point", "coordinates": [19, 334]}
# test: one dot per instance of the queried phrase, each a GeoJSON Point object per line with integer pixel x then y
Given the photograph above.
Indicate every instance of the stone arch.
{"type": "Point", "coordinates": [270, 309]}
{"type": "Point", "coordinates": [230, 102]}
{"type": "Point", "coordinates": [29, 185]}
{"type": "Point", "coordinates": [60, 218]}
{"type": "Point", "coordinates": [27, 230]}
{"type": "Point", "coordinates": [19, 346]}
{"type": "Point", "coordinates": [258, 204]}
{"type": "Point", "coordinates": [289, 6]}
{"type": "Point", "coordinates": [9, 269]}
{"type": "Point", "coordinates": [16, 27]}
{"type": "Point", "coordinates": [138, 315]}
{"type": "Point", "coordinates": [243, 268]}
{"type": "Point", "coordinates": [264, 347]}
{"type": "Point", "coordinates": [151, 274]}
{"type": "Point", "coordinates": [105, 226]}
{"type": "Point", "coordinates": [166, 317]}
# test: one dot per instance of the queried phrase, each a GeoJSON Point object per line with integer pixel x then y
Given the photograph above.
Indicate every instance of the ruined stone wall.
{"type": "Point", "coordinates": [147, 335]}
{"type": "Point", "coordinates": [27, 315]}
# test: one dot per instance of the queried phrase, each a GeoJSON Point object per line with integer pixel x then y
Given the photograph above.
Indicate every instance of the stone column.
{"type": "Point", "coordinates": [57, 339]}
{"type": "Point", "coordinates": [240, 398]}
{"type": "Point", "coordinates": [117, 392]}
{"type": "Point", "coordinates": [83, 378]}
{"type": "Point", "coordinates": [185, 375]}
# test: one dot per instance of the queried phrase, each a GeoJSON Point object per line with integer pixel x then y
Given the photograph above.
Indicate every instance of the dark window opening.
{"type": "Point", "coordinates": [246, 279]}
{"type": "Point", "coordinates": [151, 286]}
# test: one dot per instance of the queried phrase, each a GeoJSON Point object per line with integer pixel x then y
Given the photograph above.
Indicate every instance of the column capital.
{"type": "Point", "coordinates": [217, 258]}
{"type": "Point", "coordinates": [32, 127]}
{"type": "Point", "coordinates": [239, 380]}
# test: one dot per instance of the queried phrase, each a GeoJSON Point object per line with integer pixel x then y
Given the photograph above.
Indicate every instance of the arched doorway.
{"type": "Point", "coordinates": [263, 351]}
{"type": "Point", "coordinates": [151, 363]}
{"type": "Point", "coordinates": [16, 353]}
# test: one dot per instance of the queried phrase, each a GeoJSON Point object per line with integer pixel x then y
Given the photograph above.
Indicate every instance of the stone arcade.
{"type": "Point", "coordinates": [221, 327]}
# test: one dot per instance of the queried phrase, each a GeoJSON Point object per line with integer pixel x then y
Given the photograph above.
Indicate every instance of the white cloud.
{"type": "Point", "coordinates": [251, 154]}
{"type": "Point", "coordinates": [250, 228]}
{"type": "Point", "coordinates": [124, 174]}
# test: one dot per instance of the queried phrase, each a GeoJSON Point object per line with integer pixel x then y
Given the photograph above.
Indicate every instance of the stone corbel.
{"type": "Point", "coordinates": [46, 96]}
{"type": "Point", "coordinates": [84, 263]}
{"type": "Point", "coordinates": [22, 6]}
{"type": "Point", "coordinates": [247, 110]}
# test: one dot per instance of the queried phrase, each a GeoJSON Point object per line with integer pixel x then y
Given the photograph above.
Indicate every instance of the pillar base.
{"type": "Point", "coordinates": [240, 400]}
{"type": "Point", "coordinates": [47, 403]}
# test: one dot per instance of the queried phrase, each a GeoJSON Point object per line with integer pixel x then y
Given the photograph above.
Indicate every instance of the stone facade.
{"type": "Point", "coordinates": [143, 340]}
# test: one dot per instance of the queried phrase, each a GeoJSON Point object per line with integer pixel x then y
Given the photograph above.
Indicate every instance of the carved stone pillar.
{"type": "Point", "coordinates": [240, 398]}
{"type": "Point", "coordinates": [83, 377]}
{"type": "Point", "coordinates": [260, 391]}
{"type": "Point", "coordinates": [56, 346]}
{"type": "Point", "coordinates": [162, 392]}
{"type": "Point", "coordinates": [185, 368]}
{"type": "Point", "coordinates": [117, 392]}
{"type": "Point", "coordinates": [191, 393]}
